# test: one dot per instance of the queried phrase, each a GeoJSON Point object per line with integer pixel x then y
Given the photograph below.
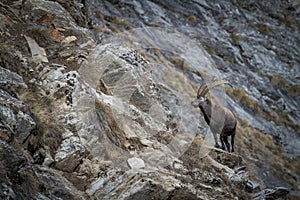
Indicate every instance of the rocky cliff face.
{"type": "Point", "coordinates": [95, 99]}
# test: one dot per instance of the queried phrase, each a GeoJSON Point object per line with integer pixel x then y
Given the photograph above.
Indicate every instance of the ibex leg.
{"type": "Point", "coordinates": [227, 145]}
{"type": "Point", "coordinates": [216, 140]}
{"type": "Point", "coordinates": [232, 140]}
{"type": "Point", "coordinates": [222, 142]}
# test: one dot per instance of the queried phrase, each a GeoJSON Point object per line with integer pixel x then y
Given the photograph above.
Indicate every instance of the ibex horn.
{"type": "Point", "coordinates": [216, 83]}
{"type": "Point", "coordinates": [204, 88]}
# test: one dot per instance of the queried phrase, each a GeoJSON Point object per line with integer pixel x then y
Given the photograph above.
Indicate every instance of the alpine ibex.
{"type": "Point", "coordinates": [220, 119]}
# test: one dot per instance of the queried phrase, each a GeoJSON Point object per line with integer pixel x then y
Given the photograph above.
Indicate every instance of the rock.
{"type": "Point", "coordinates": [69, 39]}
{"type": "Point", "coordinates": [96, 185]}
{"type": "Point", "coordinates": [38, 53]}
{"type": "Point", "coordinates": [146, 142]}
{"type": "Point", "coordinates": [56, 184]}
{"type": "Point", "coordinates": [206, 177]}
{"type": "Point", "coordinates": [7, 192]}
{"type": "Point", "coordinates": [80, 181]}
{"type": "Point", "coordinates": [229, 159]}
{"type": "Point", "coordinates": [40, 181]}
{"type": "Point", "coordinates": [270, 194]}
{"type": "Point", "coordinates": [40, 7]}
{"type": "Point", "coordinates": [178, 166]}
{"type": "Point", "coordinates": [15, 116]}
{"type": "Point", "coordinates": [146, 184]}
{"type": "Point", "coordinates": [70, 153]}
{"type": "Point", "coordinates": [135, 163]}
{"type": "Point", "coordinates": [239, 168]}
{"type": "Point", "coordinates": [11, 79]}
{"type": "Point", "coordinates": [251, 186]}
{"type": "Point", "coordinates": [48, 160]}
{"type": "Point", "coordinates": [24, 125]}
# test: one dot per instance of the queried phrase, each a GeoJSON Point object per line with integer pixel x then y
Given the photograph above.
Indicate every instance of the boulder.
{"type": "Point", "coordinates": [70, 153]}
{"type": "Point", "coordinates": [272, 194]}
{"type": "Point", "coordinates": [15, 117]}
{"type": "Point", "coordinates": [136, 163]}
{"type": "Point", "coordinates": [142, 184]}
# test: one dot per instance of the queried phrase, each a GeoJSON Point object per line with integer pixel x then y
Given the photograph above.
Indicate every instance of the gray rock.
{"type": "Point", "coordinates": [24, 125]}
{"type": "Point", "coordinates": [56, 185]}
{"type": "Point", "coordinates": [6, 192]}
{"type": "Point", "coordinates": [14, 116]}
{"type": "Point", "coordinates": [136, 163]}
{"type": "Point", "coordinates": [40, 181]}
{"type": "Point", "coordinates": [251, 186]}
{"type": "Point", "coordinates": [38, 53]}
{"type": "Point", "coordinates": [146, 184]}
{"type": "Point", "coordinates": [48, 160]}
{"type": "Point", "coordinates": [270, 194]}
{"type": "Point", "coordinates": [229, 159]}
{"type": "Point", "coordinates": [40, 7]}
{"type": "Point", "coordinates": [11, 79]}
{"type": "Point", "coordinates": [70, 153]}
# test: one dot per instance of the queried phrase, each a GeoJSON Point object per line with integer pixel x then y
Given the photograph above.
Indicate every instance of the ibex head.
{"type": "Point", "coordinates": [204, 89]}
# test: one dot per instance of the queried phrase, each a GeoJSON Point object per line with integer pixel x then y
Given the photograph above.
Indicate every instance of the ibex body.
{"type": "Point", "coordinates": [220, 119]}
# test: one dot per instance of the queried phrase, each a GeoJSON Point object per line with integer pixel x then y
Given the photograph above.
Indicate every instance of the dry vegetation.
{"type": "Point", "coordinates": [256, 148]}
{"type": "Point", "coordinates": [118, 24]}
{"type": "Point", "coordinates": [192, 160]}
{"type": "Point", "coordinates": [48, 132]}
{"type": "Point", "coordinates": [283, 84]}
{"type": "Point", "coordinates": [192, 18]}
{"type": "Point", "coordinates": [178, 62]}
{"type": "Point", "coordinates": [255, 145]}
{"type": "Point", "coordinates": [294, 91]}
{"type": "Point", "coordinates": [241, 96]}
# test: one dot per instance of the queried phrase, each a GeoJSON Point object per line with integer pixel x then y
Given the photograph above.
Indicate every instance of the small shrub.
{"type": "Point", "coordinates": [263, 29]}
{"type": "Point", "coordinates": [121, 22]}
{"type": "Point", "coordinates": [286, 20]}
{"type": "Point", "coordinates": [279, 82]}
{"type": "Point", "coordinates": [236, 38]}
{"type": "Point", "coordinates": [113, 28]}
{"type": "Point", "coordinates": [178, 62]}
{"type": "Point", "coordinates": [294, 91]}
{"type": "Point", "coordinates": [192, 18]}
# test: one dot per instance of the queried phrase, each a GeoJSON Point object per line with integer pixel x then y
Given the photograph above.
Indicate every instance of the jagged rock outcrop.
{"type": "Point", "coordinates": [15, 116]}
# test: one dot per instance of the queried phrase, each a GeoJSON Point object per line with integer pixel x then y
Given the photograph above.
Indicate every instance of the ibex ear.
{"type": "Point", "coordinates": [205, 98]}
